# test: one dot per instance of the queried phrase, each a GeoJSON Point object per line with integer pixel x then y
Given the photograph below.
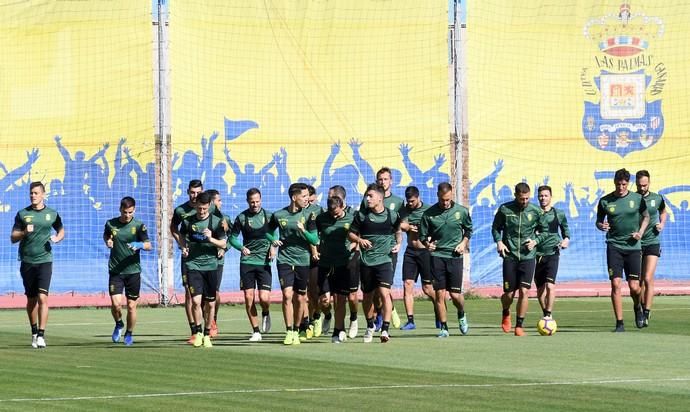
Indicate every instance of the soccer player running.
{"type": "Point", "coordinates": [217, 202]}
{"type": "Point", "coordinates": [297, 230]}
{"type": "Point", "coordinates": [416, 260]}
{"type": "Point", "coordinates": [125, 236]}
{"type": "Point", "coordinates": [548, 251]}
{"type": "Point", "coordinates": [376, 230]}
{"type": "Point", "coordinates": [651, 245]}
{"type": "Point", "coordinates": [623, 215]}
{"type": "Point", "coordinates": [353, 267]}
{"type": "Point", "coordinates": [317, 325]}
{"type": "Point", "coordinates": [514, 230]}
{"type": "Point", "coordinates": [182, 212]}
{"type": "Point", "coordinates": [32, 229]}
{"type": "Point", "coordinates": [384, 178]}
{"type": "Point", "coordinates": [255, 260]}
{"type": "Point", "coordinates": [202, 235]}
{"type": "Point", "coordinates": [335, 254]}
{"type": "Point", "coordinates": [445, 229]}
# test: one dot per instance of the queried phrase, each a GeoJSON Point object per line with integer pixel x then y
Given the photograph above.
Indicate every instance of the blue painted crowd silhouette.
{"type": "Point", "coordinates": [90, 190]}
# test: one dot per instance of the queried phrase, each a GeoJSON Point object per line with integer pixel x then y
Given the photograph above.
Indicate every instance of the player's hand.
{"type": "Point", "coordinates": [530, 244]}
{"type": "Point", "coordinates": [604, 226]}
{"type": "Point", "coordinates": [224, 225]}
{"type": "Point", "coordinates": [109, 242]}
{"type": "Point", "coordinates": [364, 244]}
{"type": "Point", "coordinates": [431, 246]}
{"type": "Point", "coordinates": [300, 226]}
{"type": "Point", "coordinates": [276, 243]}
{"type": "Point", "coordinates": [134, 246]}
{"type": "Point", "coordinates": [396, 248]}
{"type": "Point", "coordinates": [659, 227]}
{"type": "Point", "coordinates": [636, 235]}
{"type": "Point", "coordinates": [245, 251]}
{"type": "Point", "coordinates": [413, 229]}
{"type": "Point", "coordinates": [55, 239]}
{"type": "Point", "coordinates": [221, 253]}
{"type": "Point", "coordinates": [316, 256]}
{"type": "Point", "coordinates": [564, 243]}
{"type": "Point", "coordinates": [460, 248]}
{"type": "Point", "coordinates": [502, 249]}
{"type": "Point", "coordinates": [185, 251]}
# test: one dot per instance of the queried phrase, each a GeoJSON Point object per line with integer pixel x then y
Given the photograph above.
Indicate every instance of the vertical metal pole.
{"type": "Point", "coordinates": [163, 129]}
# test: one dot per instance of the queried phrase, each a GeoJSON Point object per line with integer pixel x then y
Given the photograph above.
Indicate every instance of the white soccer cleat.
{"type": "Point", "coordinates": [34, 344]}
{"type": "Point", "coordinates": [342, 336]}
{"type": "Point", "coordinates": [40, 342]}
{"type": "Point", "coordinates": [369, 335]}
{"type": "Point", "coordinates": [385, 337]}
{"type": "Point", "coordinates": [256, 337]}
{"type": "Point", "coordinates": [352, 331]}
{"type": "Point", "coordinates": [266, 324]}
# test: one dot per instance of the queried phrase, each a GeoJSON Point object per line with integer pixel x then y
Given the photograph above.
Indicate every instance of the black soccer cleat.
{"type": "Point", "coordinates": [619, 328]}
{"type": "Point", "coordinates": [639, 318]}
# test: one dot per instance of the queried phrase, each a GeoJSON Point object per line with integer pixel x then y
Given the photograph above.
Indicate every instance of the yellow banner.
{"type": "Point", "coordinates": [568, 92]}
{"type": "Point", "coordinates": [283, 82]}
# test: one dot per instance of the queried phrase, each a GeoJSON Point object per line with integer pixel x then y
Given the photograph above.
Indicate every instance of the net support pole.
{"type": "Point", "coordinates": [459, 130]}
{"type": "Point", "coordinates": [162, 110]}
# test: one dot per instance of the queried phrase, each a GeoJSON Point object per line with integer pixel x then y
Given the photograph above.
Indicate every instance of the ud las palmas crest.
{"type": "Point", "coordinates": [624, 84]}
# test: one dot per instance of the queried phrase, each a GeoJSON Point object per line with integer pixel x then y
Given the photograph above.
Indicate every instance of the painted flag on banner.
{"type": "Point", "coordinates": [234, 128]}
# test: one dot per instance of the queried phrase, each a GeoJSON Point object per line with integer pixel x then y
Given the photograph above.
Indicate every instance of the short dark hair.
{"type": "Point", "coordinates": [411, 191]}
{"type": "Point", "coordinates": [251, 192]}
{"type": "Point", "coordinates": [37, 184]}
{"type": "Point", "coordinates": [376, 188]}
{"type": "Point", "coordinates": [444, 187]}
{"type": "Point", "coordinates": [641, 173]}
{"type": "Point", "coordinates": [620, 175]}
{"type": "Point", "coordinates": [203, 198]}
{"type": "Point", "coordinates": [296, 188]}
{"type": "Point", "coordinates": [339, 190]}
{"type": "Point", "coordinates": [334, 202]}
{"type": "Point", "coordinates": [194, 183]}
{"type": "Point", "coordinates": [127, 202]}
{"type": "Point", "coordinates": [522, 187]}
{"type": "Point", "coordinates": [384, 170]}
{"type": "Point", "coordinates": [544, 187]}
{"type": "Point", "coordinates": [311, 189]}
{"type": "Point", "coordinates": [213, 193]}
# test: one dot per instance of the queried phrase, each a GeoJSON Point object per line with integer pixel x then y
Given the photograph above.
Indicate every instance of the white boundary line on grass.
{"type": "Point", "coordinates": [345, 388]}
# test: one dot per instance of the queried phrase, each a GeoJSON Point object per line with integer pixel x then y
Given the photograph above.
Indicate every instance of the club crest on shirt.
{"type": "Point", "coordinates": [114, 231]}
{"type": "Point", "coordinates": [346, 226]}
{"type": "Point", "coordinates": [457, 215]}
{"type": "Point", "coordinates": [28, 219]}
{"type": "Point", "coordinates": [391, 206]}
{"type": "Point", "coordinates": [133, 230]}
{"type": "Point", "coordinates": [283, 222]}
{"type": "Point", "coordinates": [529, 217]}
{"type": "Point", "coordinates": [47, 216]}
{"type": "Point", "coordinates": [612, 208]}
{"type": "Point", "coordinates": [632, 204]}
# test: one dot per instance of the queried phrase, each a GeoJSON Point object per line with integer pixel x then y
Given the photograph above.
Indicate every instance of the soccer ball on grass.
{"type": "Point", "coordinates": [547, 326]}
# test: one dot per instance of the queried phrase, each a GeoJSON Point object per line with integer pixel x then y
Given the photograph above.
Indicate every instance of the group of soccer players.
{"type": "Point", "coordinates": [324, 256]}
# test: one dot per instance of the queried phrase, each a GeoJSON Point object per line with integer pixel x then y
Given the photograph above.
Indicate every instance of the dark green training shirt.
{"type": "Point", "coordinates": [203, 255]}
{"type": "Point", "coordinates": [624, 215]}
{"type": "Point", "coordinates": [35, 247]}
{"type": "Point", "coordinates": [295, 250]}
{"type": "Point", "coordinates": [514, 226]}
{"type": "Point", "coordinates": [447, 227]}
{"type": "Point", "coordinates": [123, 260]}
{"type": "Point", "coordinates": [556, 223]}
{"type": "Point", "coordinates": [334, 246]}
{"type": "Point", "coordinates": [380, 230]}
{"type": "Point", "coordinates": [655, 205]}
{"type": "Point", "coordinates": [253, 227]}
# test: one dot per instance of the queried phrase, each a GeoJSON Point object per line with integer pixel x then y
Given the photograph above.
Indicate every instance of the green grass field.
{"type": "Point", "coordinates": [583, 367]}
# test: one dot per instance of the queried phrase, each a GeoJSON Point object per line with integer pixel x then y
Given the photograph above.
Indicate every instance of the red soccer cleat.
{"type": "Point", "coordinates": [505, 323]}
{"type": "Point", "coordinates": [519, 331]}
{"type": "Point", "coordinates": [214, 329]}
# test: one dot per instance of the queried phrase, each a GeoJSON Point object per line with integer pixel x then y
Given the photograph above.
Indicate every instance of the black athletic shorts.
{"type": "Point", "coordinates": [255, 277]}
{"type": "Point", "coordinates": [353, 266]}
{"type": "Point", "coordinates": [36, 278]}
{"type": "Point", "coordinates": [517, 274]}
{"type": "Point", "coordinates": [131, 284]}
{"type": "Point", "coordinates": [377, 276]}
{"type": "Point", "coordinates": [447, 273]}
{"type": "Point", "coordinates": [416, 262]}
{"type": "Point", "coordinates": [203, 282]}
{"type": "Point", "coordinates": [651, 250]}
{"type": "Point", "coordinates": [219, 276]}
{"type": "Point", "coordinates": [546, 270]}
{"type": "Point", "coordinates": [619, 261]}
{"type": "Point", "coordinates": [334, 279]}
{"type": "Point", "coordinates": [296, 277]}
